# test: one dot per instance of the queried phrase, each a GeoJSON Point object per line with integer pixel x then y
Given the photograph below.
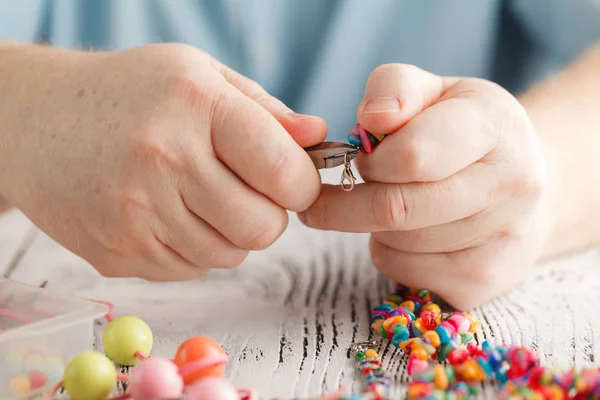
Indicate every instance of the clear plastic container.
{"type": "Point", "coordinates": [39, 331]}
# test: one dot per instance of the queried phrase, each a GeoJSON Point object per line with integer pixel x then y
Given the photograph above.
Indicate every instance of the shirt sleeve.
{"type": "Point", "coordinates": [561, 28]}
{"type": "Point", "coordinates": [23, 20]}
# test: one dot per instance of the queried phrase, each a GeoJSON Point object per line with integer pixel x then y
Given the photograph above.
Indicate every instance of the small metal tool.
{"type": "Point", "coordinates": [333, 154]}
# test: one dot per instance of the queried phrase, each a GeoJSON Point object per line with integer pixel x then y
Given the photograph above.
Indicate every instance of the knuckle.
{"type": "Point", "coordinates": [413, 163]}
{"type": "Point", "coordinates": [154, 149]}
{"type": "Point", "coordinates": [283, 173]}
{"type": "Point", "coordinates": [263, 233]}
{"type": "Point", "coordinates": [389, 207]}
{"type": "Point", "coordinates": [233, 259]}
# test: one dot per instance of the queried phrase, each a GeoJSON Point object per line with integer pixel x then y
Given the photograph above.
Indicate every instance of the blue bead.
{"type": "Point", "coordinates": [354, 140]}
{"type": "Point", "coordinates": [443, 334]}
{"type": "Point", "coordinates": [383, 307]}
{"type": "Point", "coordinates": [486, 346]}
{"type": "Point", "coordinates": [487, 368]}
{"type": "Point", "coordinates": [400, 336]}
{"type": "Point", "coordinates": [495, 359]}
{"type": "Point", "coordinates": [412, 316]}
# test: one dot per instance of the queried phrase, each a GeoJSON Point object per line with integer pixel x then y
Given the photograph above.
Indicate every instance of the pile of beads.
{"type": "Point", "coordinates": [435, 336]}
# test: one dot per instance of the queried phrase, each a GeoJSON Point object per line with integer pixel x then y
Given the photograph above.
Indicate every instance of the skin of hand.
{"type": "Point", "coordinates": [157, 162]}
{"type": "Point", "coordinates": [454, 196]}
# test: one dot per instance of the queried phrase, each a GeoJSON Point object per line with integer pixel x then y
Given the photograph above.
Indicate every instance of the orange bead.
{"type": "Point", "coordinates": [470, 370]}
{"type": "Point", "coordinates": [433, 337]}
{"type": "Point", "coordinates": [197, 348]}
{"type": "Point", "coordinates": [419, 353]}
{"type": "Point", "coordinates": [389, 323]}
{"type": "Point", "coordinates": [440, 379]}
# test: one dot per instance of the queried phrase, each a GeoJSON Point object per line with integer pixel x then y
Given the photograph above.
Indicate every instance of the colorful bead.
{"type": "Point", "coordinates": [89, 376]}
{"type": "Point", "coordinates": [155, 378]}
{"type": "Point", "coordinates": [124, 337]}
{"type": "Point", "coordinates": [37, 379]}
{"type": "Point", "coordinates": [19, 385]}
{"type": "Point", "coordinates": [197, 348]}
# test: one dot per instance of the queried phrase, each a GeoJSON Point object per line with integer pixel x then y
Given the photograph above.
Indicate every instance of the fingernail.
{"type": "Point", "coordinates": [297, 117]}
{"type": "Point", "coordinates": [381, 104]}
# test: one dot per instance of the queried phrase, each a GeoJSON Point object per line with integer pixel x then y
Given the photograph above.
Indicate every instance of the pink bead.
{"type": "Point", "coordinates": [449, 327]}
{"type": "Point", "coordinates": [416, 366]}
{"type": "Point", "coordinates": [155, 378]}
{"type": "Point", "coordinates": [211, 389]}
{"type": "Point", "coordinates": [460, 322]}
{"type": "Point", "coordinates": [37, 379]}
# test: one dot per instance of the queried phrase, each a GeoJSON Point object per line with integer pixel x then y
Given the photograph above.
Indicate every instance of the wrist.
{"type": "Point", "coordinates": [32, 79]}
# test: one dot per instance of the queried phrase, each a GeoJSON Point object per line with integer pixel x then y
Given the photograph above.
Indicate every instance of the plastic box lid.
{"type": "Point", "coordinates": [40, 330]}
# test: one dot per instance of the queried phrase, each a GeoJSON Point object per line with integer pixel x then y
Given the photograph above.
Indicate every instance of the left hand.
{"type": "Point", "coordinates": [454, 196]}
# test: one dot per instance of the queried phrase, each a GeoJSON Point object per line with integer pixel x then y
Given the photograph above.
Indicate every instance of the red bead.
{"type": "Point", "coordinates": [458, 356]}
{"type": "Point", "coordinates": [428, 320]}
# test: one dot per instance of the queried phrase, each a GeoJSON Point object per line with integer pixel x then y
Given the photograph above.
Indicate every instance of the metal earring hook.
{"type": "Point", "coordinates": [347, 181]}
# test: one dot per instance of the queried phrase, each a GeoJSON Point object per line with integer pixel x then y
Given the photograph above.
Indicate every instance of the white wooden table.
{"type": "Point", "coordinates": [288, 315]}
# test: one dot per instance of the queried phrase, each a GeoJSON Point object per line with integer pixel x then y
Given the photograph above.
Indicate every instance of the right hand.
{"type": "Point", "coordinates": [157, 162]}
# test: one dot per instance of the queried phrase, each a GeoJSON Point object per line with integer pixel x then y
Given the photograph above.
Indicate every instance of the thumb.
{"type": "Point", "coordinates": [306, 130]}
{"type": "Point", "coordinates": [395, 93]}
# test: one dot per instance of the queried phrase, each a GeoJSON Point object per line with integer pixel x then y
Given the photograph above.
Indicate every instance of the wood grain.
{"type": "Point", "coordinates": [288, 316]}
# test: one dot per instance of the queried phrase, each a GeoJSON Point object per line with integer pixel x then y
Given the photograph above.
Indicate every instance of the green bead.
{"type": "Point", "coordinates": [395, 299]}
{"type": "Point", "coordinates": [90, 376]}
{"type": "Point", "coordinates": [124, 336]}
{"type": "Point", "coordinates": [359, 356]}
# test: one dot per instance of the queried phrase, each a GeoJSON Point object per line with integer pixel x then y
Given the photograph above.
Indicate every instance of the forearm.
{"type": "Point", "coordinates": [565, 111]}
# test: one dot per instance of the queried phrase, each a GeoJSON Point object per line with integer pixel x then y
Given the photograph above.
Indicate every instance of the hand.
{"type": "Point", "coordinates": [157, 162]}
{"type": "Point", "coordinates": [454, 195]}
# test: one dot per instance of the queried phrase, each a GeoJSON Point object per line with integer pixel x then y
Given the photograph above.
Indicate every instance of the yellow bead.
{"type": "Point", "coordinates": [409, 304]}
{"type": "Point", "coordinates": [433, 337]}
{"type": "Point", "coordinates": [376, 326]}
{"type": "Point", "coordinates": [124, 336]}
{"type": "Point", "coordinates": [90, 376]}
{"type": "Point", "coordinates": [440, 379]}
{"type": "Point", "coordinates": [20, 385]}
{"type": "Point", "coordinates": [369, 354]}
{"type": "Point", "coordinates": [419, 325]}
{"type": "Point", "coordinates": [389, 323]}
{"type": "Point", "coordinates": [432, 308]}
{"type": "Point", "coordinates": [378, 137]}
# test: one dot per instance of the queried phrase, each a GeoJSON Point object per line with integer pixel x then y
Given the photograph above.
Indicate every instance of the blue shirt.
{"type": "Point", "coordinates": [316, 55]}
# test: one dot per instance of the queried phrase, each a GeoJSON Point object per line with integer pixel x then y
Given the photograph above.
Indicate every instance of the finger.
{"type": "Point", "coordinates": [198, 242]}
{"type": "Point", "coordinates": [395, 93]}
{"type": "Point", "coordinates": [443, 139]}
{"type": "Point", "coordinates": [377, 207]}
{"type": "Point", "coordinates": [464, 279]}
{"type": "Point", "coordinates": [245, 217]}
{"type": "Point", "coordinates": [453, 236]}
{"type": "Point", "coordinates": [256, 148]}
{"type": "Point", "coordinates": [162, 265]}
{"type": "Point", "coordinates": [307, 130]}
